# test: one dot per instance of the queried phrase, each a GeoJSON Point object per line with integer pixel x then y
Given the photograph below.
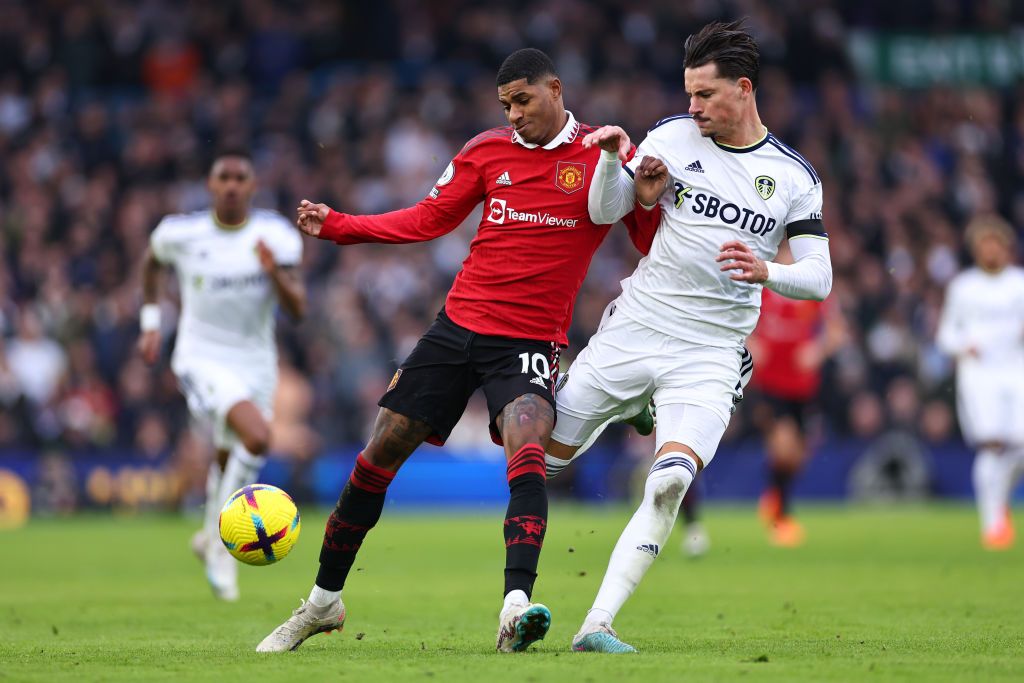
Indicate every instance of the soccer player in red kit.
{"type": "Point", "coordinates": [501, 329]}
{"type": "Point", "coordinates": [792, 340]}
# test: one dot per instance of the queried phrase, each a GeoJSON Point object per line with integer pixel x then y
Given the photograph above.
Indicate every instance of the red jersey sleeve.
{"type": "Point", "coordinates": [459, 189]}
{"type": "Point", "coordinates": [642, 225]}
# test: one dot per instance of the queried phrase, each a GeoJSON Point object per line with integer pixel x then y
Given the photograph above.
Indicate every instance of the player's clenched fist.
{"type": "Point", "coordinates": [650, 180]}
{"type": "Point", "coordinates": [311, 217]}
{"type": "Point", "coordinates": [610, 139]}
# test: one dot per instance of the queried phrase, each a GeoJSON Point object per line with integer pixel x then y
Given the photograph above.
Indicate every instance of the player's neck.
{"type": "Point", "coordinates": [748, 133]}
{"type": "Point", "coordinates": [229, 221]}
{"type": "Point", "coordinates": [552, 134]}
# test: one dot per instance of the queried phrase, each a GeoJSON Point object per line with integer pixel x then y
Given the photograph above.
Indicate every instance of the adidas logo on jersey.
{"type": "Point", "coordinates": [503, 179]}
{"type": "Point", "coordinates": [649, 548]}
{"type": "Point", "coordinates": [539, 381]}
{"type": "Point", "coordinates": [695, 167]}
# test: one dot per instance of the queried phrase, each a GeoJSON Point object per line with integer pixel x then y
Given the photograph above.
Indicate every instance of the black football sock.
{"type": "Point", "coordinates": [357, 511]}
{"type": "Point", "coordinates": [691, 505]}
{"type": "Point", "coordinates": [782, 481]}
{"type": "Point", "coordinates": [526, 519]}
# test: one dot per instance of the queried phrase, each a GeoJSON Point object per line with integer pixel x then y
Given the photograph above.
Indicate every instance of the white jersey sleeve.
{"type": "Point", "coordinates": [165, 241]}
{"type": "Point", "coordinates": [951, 337]}
{"type": "Point", "coordinates": [806, 206]}
{"type": "Point", "coordinates": [612, 194]}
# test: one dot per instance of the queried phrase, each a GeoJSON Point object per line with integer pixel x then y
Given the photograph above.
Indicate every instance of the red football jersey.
{"type": "Point", "coordinates": [786, 361]}
{"type": "Point", "coordinates": [535, 239]}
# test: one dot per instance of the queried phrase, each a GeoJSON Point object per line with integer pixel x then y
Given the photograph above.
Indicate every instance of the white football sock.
{"type": "Point", "coordinates": [321, 597]}
{"type": "Point", "coordinates": [243, 468]}
{"type": "Point", "coordinates": [516, 597]}
{"type": "Point", "coordinates": [992, 474]}
{"type": "Point", "coordinates": [645, 535]}
{"type": "Point", "coordinates": [211, 513]}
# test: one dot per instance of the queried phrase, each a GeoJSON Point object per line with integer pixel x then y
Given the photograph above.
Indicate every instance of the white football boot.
{"type": "Point", "coordinates": [308, 620]}
{"type": "Point", "coordinates": [521, 625]}
{"type": "Point", "coordinates": [696, 541]}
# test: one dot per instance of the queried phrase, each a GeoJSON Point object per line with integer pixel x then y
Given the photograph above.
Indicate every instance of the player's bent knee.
{"type": "Point", "coordinates": [258, 441]}
{"type": "Point", "coordinates": [673, 447]}
{"type": "Point", "coordinates": [527, 419]}
{"type": "Point", "coordinates": [395, 438]}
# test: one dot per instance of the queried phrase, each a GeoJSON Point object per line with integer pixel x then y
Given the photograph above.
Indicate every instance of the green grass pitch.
{"type": "Point", "coordinates": [877, 594]}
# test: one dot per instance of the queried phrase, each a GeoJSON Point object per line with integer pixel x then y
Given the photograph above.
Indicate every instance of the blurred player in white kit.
{"type": "Point", "coordinates": [234, 266]}
{"type": "Point", "coordinates": [982, 326]}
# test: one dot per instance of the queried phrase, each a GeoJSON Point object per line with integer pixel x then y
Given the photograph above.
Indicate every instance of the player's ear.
{"type": "Point", "coordinates": [555, 88]}
{"type": "Point", "coordinates": [746, 85]}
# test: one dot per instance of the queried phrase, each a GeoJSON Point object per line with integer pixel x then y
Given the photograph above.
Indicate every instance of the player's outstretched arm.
{"type": "Point", "coordinates": [290, 289]}
{"type": "Point", "coordinates": [149, 316]}
{"type": "Point", "coordinates": [432, 217]}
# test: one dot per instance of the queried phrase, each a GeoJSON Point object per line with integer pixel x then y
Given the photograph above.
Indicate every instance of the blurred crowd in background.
{"type": "Point", "coordinates": [110, 113]}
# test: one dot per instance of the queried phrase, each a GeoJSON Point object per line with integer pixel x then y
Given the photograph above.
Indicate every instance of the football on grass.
{"type": "Point", "coordinates": [259, 524]}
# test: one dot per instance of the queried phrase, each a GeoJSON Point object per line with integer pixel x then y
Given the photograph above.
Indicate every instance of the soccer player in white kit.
{"type": "Point", "coordinates": [982, 326]}
{"type": "Point", "coordinates": [729, 193]}
{"type": "Point", "coordinates": [234, 265]}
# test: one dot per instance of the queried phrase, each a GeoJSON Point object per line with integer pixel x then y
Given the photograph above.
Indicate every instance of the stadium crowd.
{"type": "Point", "coordinates": [110, 113]}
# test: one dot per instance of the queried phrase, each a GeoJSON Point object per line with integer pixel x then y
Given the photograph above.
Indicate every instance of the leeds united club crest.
{"type": "Point", "coordinates": [765, 186]}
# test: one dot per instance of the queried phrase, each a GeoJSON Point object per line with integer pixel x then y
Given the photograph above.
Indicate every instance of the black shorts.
{"type": "Point", "coordinates": [777, 408]}
{"type": "Point", "coordinates": [450, 362]}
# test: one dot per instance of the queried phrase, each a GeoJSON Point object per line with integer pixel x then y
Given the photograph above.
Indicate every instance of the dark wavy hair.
{"type": "Point", "coordinates": [729, 46]}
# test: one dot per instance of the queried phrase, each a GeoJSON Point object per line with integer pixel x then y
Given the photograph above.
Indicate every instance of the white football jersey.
{"type": "Point", "coordinates": [985, 311]}
{"type": "Point", "coordinates": [227, 300]}
{"type": "Point", "coordinates": [757, 194]}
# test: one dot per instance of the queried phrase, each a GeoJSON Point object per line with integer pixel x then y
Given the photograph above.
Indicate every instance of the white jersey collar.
{"type": "Point", "coordinates": [567, 134]}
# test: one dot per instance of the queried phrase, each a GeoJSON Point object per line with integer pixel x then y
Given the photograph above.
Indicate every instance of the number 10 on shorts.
{"type": "Point", "coordinates": [538, 362]}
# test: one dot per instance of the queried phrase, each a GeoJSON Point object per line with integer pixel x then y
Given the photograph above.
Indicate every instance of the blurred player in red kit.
{"type": "Point", "coordinates": [792, 341]}
{"type": "Point", "coordinates": [501, 330]}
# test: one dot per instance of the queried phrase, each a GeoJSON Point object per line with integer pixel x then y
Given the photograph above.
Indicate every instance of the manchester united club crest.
{"type": "Point", "coordinates": [569, 176]}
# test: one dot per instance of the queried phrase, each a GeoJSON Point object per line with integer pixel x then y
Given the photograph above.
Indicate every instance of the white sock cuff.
{"type": "Point", "coordinates": [321, 597]}
{"type": "Point", "coordinates": [675, 459]}
{"type": "Point", "coordinates": [554, 466]}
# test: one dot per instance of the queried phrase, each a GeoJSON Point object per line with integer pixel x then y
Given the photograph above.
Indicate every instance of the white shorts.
{"type": "Point", "coordinates": [695, 388]}
{"type": "Point", "coordinates": [990, 405]}
{"type": "Point", "coordinates": [212, 389]}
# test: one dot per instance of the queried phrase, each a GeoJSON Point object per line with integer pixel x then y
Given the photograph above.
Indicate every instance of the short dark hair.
{"type": "Point", "coordinates": [729, 46]}
{"type": "Point", "coordinates": [237, 152]}
{"type": "Point", "coordinates": [529, 63]}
